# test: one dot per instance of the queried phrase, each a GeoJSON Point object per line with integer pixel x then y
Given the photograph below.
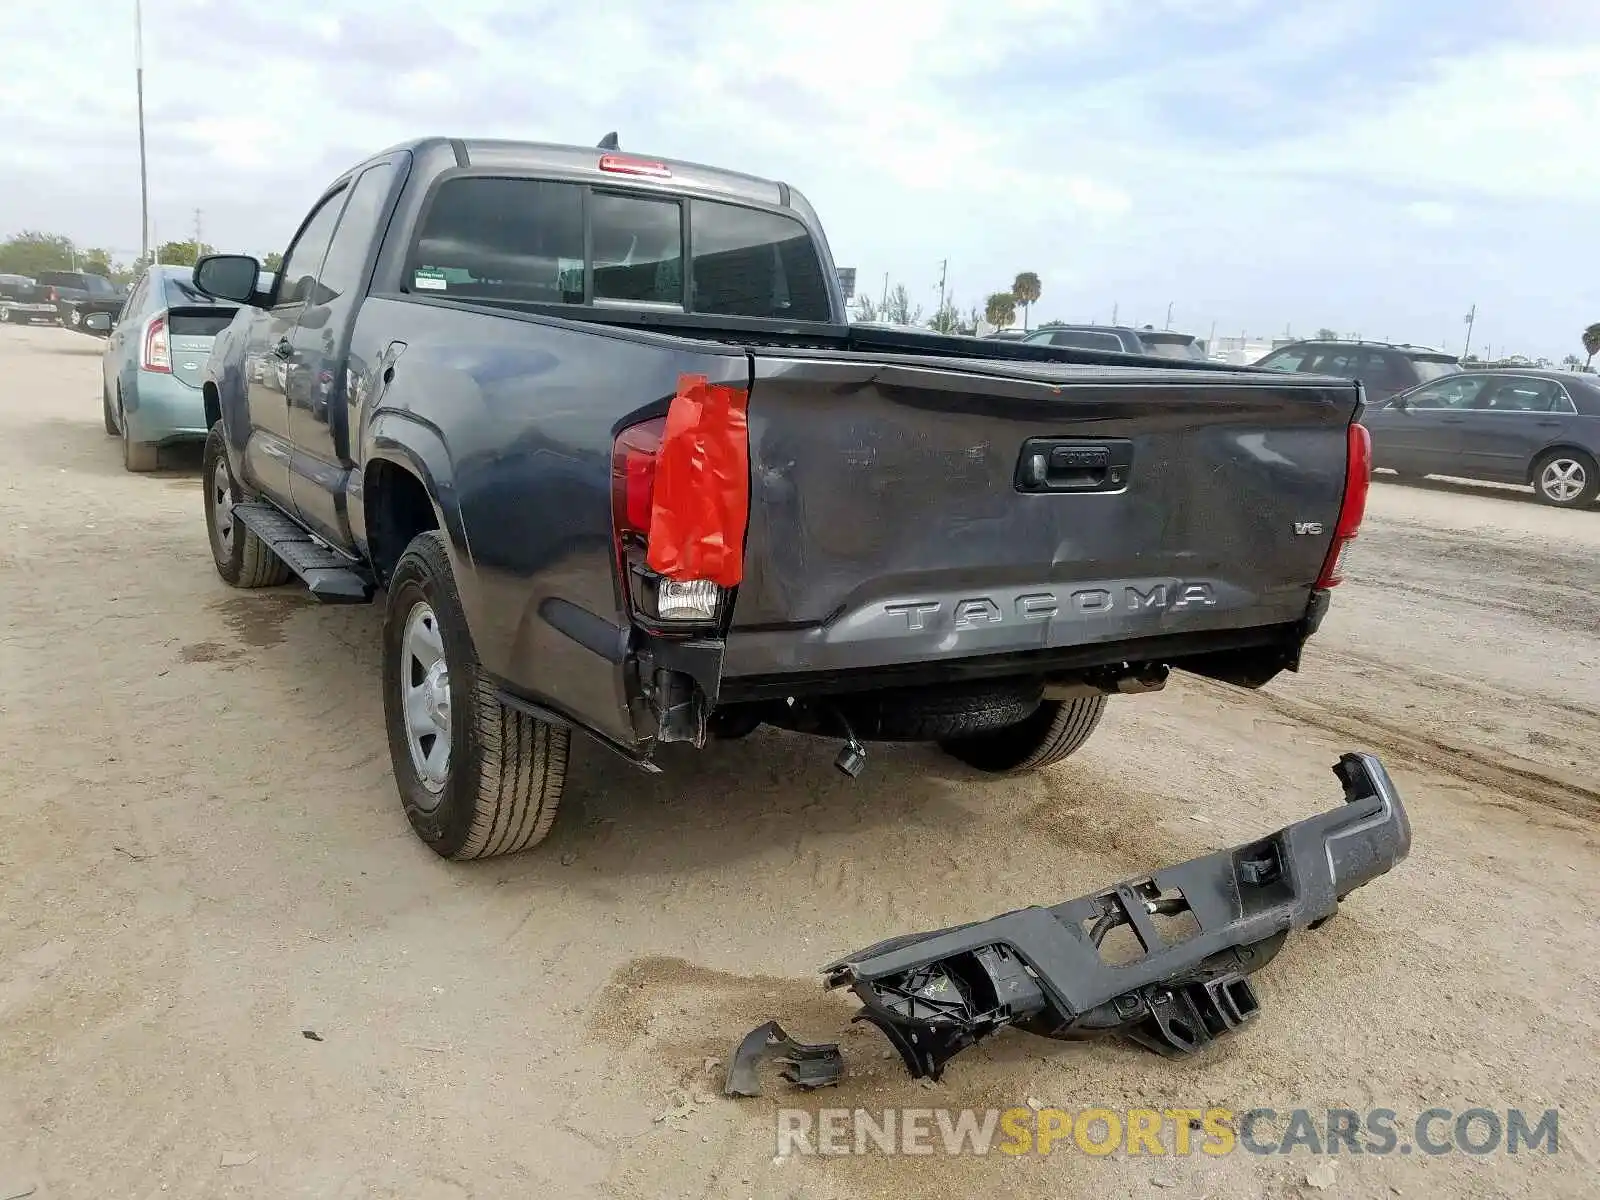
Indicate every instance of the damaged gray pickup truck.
{"type": "Point", "coordinates": [598, 427]}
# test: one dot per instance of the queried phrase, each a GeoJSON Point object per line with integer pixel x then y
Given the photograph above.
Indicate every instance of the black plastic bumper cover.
{"type": "Point", "coordinates": [1042, 969]}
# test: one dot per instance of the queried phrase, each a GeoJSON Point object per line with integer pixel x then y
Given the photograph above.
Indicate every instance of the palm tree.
{"type": "Point", "coordinates": [1026, 292]}
{"type": "Point", "coordinates": [1000, 309]}
{"type": "Point", "coordinates": [1591, 343]}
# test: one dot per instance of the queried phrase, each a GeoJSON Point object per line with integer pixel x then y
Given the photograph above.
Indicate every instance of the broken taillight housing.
{"type": "Point", "coordinates": [1357, 480]}
{"type": "Point", "coordinates": [680, 501]}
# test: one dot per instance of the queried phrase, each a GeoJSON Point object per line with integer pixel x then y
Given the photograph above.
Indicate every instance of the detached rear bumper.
{"type": "Point", "coordinates": [1042, 970]}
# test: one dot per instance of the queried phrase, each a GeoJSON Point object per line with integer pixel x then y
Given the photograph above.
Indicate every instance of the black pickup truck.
{"type": "Point", "coordinates": [77, 295]}
{"type": "Point", "coordinates": [598, 427]}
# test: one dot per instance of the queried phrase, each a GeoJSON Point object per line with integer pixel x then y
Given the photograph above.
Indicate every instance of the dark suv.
{"type": "Point", "coordinates": [1384, 369]}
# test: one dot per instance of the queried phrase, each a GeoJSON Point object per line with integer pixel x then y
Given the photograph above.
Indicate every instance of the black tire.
{"type": "Point", "coordinates": [136, 456]}
{"type": "Point", "coordinates": [242, 559]}
{"type": "Point", "coordinates": [927, 715]}
{"type": "Point", "coordinates": [505, 770]}
{"type": "Point", "coordinates": [107, 412]}
{"type": "Point", "coordinates": [1547, 491]}
{"type": "Point", "coordinates": [1053, 731]}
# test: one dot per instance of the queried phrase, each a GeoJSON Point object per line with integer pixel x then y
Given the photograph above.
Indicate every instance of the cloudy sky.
{"type": "Point", "coordinates": [1376, 166]}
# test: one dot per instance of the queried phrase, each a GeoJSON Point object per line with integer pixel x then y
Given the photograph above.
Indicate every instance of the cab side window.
{"type": "Point", "coordinates": [1459, 391]}
{"type": "Point", "coordinates": [298, 278]}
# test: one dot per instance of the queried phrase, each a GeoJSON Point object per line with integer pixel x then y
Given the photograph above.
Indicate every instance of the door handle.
{"type": "Point", "coordinates": [283, 349]}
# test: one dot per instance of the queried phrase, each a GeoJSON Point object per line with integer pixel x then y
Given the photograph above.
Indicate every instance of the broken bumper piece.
{"type": "Point", "coordinates": [804, 1066]}
{"type": "Point", "coordinates": [1049, 971]}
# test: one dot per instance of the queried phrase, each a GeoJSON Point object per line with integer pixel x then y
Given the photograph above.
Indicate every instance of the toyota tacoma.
{"type": "Point", "coordinates": [597, 427]}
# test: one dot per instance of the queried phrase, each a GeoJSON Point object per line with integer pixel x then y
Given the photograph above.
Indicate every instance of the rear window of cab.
{"type": "Point", "coordinates": [533, 241]}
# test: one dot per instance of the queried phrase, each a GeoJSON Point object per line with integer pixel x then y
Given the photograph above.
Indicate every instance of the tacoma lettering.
{"type": "Point", "coordinates": [1044, 606]}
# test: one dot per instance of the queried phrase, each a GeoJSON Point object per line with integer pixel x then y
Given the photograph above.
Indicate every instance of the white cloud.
{"type": "Point", "coordinates": [1057, 135]}
{"type": "Point", "coordinates": [1431, 212]}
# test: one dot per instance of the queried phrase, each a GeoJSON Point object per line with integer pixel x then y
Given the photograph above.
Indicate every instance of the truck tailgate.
{"type": "Point", "coordinates": [901, 510]}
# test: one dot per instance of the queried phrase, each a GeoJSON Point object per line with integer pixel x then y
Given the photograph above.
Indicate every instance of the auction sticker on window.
{"type": "Point", "coordinates": [429, 279]}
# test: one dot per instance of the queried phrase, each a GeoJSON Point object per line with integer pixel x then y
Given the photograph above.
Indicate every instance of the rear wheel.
{"type": "Point", "coordinates": [477, 779]}
{"type": "Point", "coordinates": [1566, 479]}
{"type": "Point", "coordinates": [1055, 730]}
{"type": "Point", "coordinates": [242, 559]}
{"type": "Point", "coordinates": [136, 456]}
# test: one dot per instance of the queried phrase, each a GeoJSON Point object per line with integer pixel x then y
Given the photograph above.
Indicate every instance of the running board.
{"type": "Point", "coordinates": [330, 576]}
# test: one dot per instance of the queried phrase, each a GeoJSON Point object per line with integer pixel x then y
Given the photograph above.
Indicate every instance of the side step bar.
{"type": "Point", "coordinates": [330, 576]}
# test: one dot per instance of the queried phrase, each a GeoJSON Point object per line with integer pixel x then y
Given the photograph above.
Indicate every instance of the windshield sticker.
{"type": "Point", "coordinates": [430, 280]}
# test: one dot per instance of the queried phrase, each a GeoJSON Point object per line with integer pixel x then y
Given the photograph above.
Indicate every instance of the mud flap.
{"type": "Point", "coordinates": [1044, 970]}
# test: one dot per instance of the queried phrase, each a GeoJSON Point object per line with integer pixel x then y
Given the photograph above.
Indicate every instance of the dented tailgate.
{"type": "Point", "coordinates": [908, 509]}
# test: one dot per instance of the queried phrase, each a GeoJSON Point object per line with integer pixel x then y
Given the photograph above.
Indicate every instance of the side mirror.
{"type": "Point", "coordinates": [228, 277]}
{"type": "Point", "coordinates": [99, 322]}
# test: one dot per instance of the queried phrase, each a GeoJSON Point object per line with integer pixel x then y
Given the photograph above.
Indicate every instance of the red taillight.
{"type": "Point", "coordinates": [50, 294]}
{"type": "Point", "coordinates": [701, 501]}
{"type": "Point", "coordinates": [622, 164]}
{"type": "Point", "coordinates": [680, 502]}
{"type": "Point", "coordinates": [633, 476]}
{"type": "Point", "coordinates": [157, 355]}
{"type": "Point", "coordinates": [1357, 479]}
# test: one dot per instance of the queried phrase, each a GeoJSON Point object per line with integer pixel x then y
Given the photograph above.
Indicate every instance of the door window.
{"type": "Point", "coordinates": [141, 292]}
{"type": "Point", "coordinates": [1518, 395]}
{"type": "Point", "coordinates": [298, 277]}
{"type": "Point", "coordinates": [1292, 359]}
{"type": "Point", "coordinates": [1457, 392]}
{"type": "Point", "coordinates": [352, 241]}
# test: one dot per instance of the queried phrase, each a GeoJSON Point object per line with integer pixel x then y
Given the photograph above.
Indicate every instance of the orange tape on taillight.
{"type": "Point", "coordinates": [702, 485]}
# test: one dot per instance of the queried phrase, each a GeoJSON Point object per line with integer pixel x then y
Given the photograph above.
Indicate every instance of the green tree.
{"type": "Point", "coordinates": [1000, 309]}
{"type": "Point", "coordinates": [947, 319]}
{"type": "Point", "coordinates": [1026, 292]}
{"type": "Point", "coordinates": [274, 262]}
{"type": "Point", "coordinates": [96, 261]}
{"type": "Point", "coordinates": [32, 251]}
{"type": "Point", "coordinates": [866, 310]}
{"type": "Point", "coordinates": [182, 254]}
{"type": "Point", "coordinates": [1591, 344]}
{"type": "Point", "coordinates": [1326, 335]}
{"type": "Point", "coordinates": [900, 310]}
{"type": "Point", "coordinates": [1572, 362]}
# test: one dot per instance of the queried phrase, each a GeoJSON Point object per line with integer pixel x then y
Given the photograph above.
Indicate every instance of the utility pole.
{"type": "Point", "coordinates": [944, 266]}
{"type": "Point", "coordinates": [1472, 316]}
{"type": "Point", "coordinates": [144, 178]}
{"type": "Point", "coordinates": [1170, 303]}
{"type": "Point", "coordinates": [1114, 310]}
{"type": "Point", "coordinates": [197, 242]}
{"type": "Point", "coordinates": [882, 307]}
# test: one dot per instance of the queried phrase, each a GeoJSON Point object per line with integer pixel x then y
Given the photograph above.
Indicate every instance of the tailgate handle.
{"type": "Point", "coordinates": [1074, 465]}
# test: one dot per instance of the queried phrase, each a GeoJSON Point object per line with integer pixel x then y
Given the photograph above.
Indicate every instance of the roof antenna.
{"type": "Point", "coordinates": [609, 142]}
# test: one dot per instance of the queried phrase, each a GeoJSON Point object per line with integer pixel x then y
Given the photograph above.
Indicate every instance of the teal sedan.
{"type": "Point", "coordinates": [154, 364]}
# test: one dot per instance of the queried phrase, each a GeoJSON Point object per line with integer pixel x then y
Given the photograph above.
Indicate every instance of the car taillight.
{"type": "Point", "coordinates": [680, 503]}
{"type": "Point", "coordinates": [157, 355]}
{"type": "Point", "coordinates": [50, 294]}
{"type": "Point", "coordinates": [1357, 480]}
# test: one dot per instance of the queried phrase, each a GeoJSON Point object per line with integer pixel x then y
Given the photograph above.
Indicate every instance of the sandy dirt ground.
{"type": "Point", "coordinates": [202, 856]}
